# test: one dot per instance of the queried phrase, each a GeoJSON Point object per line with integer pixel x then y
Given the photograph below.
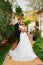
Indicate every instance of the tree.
{"type": "Point", "coordinates": [5, 15]}
{"type": "Point", "coordinates": [36, 4]}
{"type": "Point", "coordinates": [19, 11]}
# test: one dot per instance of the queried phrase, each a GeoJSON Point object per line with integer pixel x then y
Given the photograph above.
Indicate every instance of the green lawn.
{"type": "Point", "coordinates": [3, 52]}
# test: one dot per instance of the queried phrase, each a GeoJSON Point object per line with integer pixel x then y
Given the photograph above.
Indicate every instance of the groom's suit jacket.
{"type": "Point", "coordinates": [17, 31]}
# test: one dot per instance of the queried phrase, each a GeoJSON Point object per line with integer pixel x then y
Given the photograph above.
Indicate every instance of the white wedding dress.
{"type": "Point", "coordinates": [23, 51]}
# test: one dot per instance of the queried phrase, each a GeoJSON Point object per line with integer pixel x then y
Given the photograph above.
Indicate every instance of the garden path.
{"type": "Point", "coordinates": [9, 61]}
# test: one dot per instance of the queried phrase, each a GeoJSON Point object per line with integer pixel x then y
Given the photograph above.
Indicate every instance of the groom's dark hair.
{"type": "Point", "coordinates": [19, 18]}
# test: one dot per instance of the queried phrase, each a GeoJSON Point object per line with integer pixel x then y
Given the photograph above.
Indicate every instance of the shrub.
{"type": "Point", "coordinates": [9, 33]}
{"type": "Point", "coordinates": [19, 11]}
{"type": "Point", "coordinates": [37, 23]}
{"type": "Point", "coordinates": [1, 38]}
{"type": "Point", "coordinates": [36, 34]}
{"type": "Point", "coordinates": [6, 30]}
{"type": "Point", "coordinates": [26, 22]}
{"type": "Point", "coordinates": [38, 48]}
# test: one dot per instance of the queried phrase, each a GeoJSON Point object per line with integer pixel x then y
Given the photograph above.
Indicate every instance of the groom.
{"type": "Point", "coordinates": [17, 29]}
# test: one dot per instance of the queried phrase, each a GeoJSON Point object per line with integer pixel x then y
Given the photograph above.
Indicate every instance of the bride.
{"type": "Point", "coordinates": [23, 51]}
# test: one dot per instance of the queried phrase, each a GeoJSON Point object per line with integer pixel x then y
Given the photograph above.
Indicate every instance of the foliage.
{"type": "Point", "coordinates": [5, 11]}
{"type": "Point", "coordinates": [26, 22]}
{"type": "Point", "coordinates": [9, 33]}
{"type": "Point", "coordinates": [3, 52]}
{"type": "Point", "coordinates": [38, 48]}
{"type": "Point", "coordinates": [5, 15]}
{"type": "Point", "coordinates": [1, 38]}
{"type": "Point", "coordinates": [37, 23]}
{"type": "Point", "coordinates": [5, 6]}
{"type": "Point", "coordinates": [19, 11]}
{"type": "Point", "coordinates": [36, 34]}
